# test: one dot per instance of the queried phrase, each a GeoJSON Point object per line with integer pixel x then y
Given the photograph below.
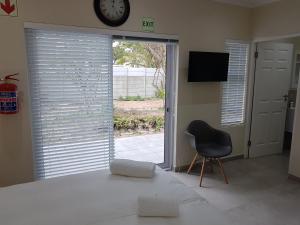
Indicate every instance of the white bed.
{"type": "Point", "coordinates": [100, 198]}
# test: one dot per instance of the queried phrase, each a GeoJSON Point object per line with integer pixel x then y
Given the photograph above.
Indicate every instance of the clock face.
{"type": "Point", "coordinates": [112, 12]}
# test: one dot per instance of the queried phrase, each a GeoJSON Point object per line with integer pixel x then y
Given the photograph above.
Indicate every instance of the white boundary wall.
{"type": "Point", "coordinates": [129, 81]}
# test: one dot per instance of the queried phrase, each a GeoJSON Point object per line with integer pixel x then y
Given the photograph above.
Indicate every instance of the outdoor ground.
{"type": "Point", "coordinates": [139, 130]}
{"type": "Point", "coordinates": [152, 106]}
{"type": "Point", "coordinates": [141, 148]}
{"type": "Point", "coordinates": [133, 118]}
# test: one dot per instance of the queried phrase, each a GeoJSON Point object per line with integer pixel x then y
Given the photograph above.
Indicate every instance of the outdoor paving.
{"type": "Point", "coordinates": [142, 148]}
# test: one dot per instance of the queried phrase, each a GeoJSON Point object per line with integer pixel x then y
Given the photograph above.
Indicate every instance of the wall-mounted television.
{"type": "Point", "coordinates": [208, 66]}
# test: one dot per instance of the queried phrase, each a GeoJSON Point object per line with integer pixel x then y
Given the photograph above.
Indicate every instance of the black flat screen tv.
{"type": "Point", "coordinates": [208, 67]}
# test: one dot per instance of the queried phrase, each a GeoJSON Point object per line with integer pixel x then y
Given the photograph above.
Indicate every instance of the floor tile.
{"type": "Point", "coordinates": [259, 191]}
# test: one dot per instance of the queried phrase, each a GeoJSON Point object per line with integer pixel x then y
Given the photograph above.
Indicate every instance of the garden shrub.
{"type": "Point", "coordinates": [130, 122]}
{"type": "Point", "coordinates": [131, 98]}
{"type": "Point", "coordinates": [160, 93]}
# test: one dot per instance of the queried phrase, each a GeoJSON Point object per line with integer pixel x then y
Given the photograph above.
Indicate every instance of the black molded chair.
{"type": "Point", "coordinates": [210, 143]}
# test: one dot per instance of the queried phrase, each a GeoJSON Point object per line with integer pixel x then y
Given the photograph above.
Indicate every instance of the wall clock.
{"type": "Point", "coordinates": [112, 12]}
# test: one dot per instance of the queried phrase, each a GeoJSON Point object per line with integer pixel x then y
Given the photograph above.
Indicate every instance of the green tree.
{"type": "Point", "coordinates": [143, 54]}
{"type": "Point", "coordinates": [133, 54]}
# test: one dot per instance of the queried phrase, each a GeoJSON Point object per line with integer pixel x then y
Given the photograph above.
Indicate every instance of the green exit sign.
{"type": "Point", "coordinates": [148, 24]}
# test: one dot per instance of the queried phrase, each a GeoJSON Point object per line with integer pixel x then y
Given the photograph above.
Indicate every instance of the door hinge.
{"type": "Point", "coordinates": [249, 143]}
{"type": "Point", "coordinates": [256, 54]}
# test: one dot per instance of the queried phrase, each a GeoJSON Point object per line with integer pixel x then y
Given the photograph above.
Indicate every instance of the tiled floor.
{"type": "Point", "coordinates": [259, 192]}
{"type": "Point", "coordinates": [145, 148]}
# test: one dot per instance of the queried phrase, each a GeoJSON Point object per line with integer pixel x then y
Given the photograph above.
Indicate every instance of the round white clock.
{"type": "Point", "coordinates": [112, 12]}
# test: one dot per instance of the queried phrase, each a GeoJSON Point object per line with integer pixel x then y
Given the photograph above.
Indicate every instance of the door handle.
{"type": "Point", "coordinates": [286, 98]}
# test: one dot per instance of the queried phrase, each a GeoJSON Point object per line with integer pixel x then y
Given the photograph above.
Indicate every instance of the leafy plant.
{"type": "Point", "coordinates": [131, 98]}
{"type": "Point", "coordinates": [142, 54]}
{"type": "Point", "coordinates": [155, 123]}
{"type": "Point", "coordinates": [160, 93]}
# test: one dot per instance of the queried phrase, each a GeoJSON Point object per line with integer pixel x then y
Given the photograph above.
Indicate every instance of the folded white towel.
{"type": "Point", "coordinates": [130, 168]}
{"type": "Point", "coordinates": [157, 206]}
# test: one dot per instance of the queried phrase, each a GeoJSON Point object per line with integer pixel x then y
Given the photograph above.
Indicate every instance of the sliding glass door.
{"type": "Point", "coordinates": [144, 94]}
{"type": "Point", "coordinates": [73, 92]}
{"type": "Point", "coordinates": [71, 98]}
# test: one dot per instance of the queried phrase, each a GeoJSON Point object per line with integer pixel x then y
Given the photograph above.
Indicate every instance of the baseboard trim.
{"type": "Point", "coordinates": [184, 168]}
{"type": "Point", "coordinates": [295, 178]}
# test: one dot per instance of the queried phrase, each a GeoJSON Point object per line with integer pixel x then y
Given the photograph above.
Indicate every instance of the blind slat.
{"type": "Point", "coordinates": [234, 90]}
{"type": "Point", "coordinates": [71, 95]}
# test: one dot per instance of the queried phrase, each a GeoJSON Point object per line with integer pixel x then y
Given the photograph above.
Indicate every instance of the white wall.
{"type": "Point", "coordinates": [130, 81]}
{"type": "Point", "coordinates": [200, 24]}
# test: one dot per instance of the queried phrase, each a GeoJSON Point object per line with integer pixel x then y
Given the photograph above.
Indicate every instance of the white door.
{"type": "Point", "coordinates": [272, 81]}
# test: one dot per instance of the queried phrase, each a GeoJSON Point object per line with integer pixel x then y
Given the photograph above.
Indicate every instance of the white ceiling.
{"type": "Point", "coordinates": [248, 3]}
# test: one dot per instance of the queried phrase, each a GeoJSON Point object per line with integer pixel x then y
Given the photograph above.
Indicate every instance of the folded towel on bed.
{"type": "Point", "coordinates": [157, 206]}
{"type": "Point", "coordinates": [130, 168]}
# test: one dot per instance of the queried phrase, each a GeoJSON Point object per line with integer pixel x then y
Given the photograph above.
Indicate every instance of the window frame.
{"type": "Point", "coordinates": [246, 86]}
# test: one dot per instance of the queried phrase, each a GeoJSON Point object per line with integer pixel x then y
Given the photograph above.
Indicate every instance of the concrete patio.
{"type": "Point", "coordinates": [145, 148]}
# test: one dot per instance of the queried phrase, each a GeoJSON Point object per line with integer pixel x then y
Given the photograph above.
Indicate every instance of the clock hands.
{"type": "Point", "coordinates": [112, 12]}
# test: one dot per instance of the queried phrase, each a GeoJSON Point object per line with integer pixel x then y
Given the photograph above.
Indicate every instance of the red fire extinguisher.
{"type": "Point", "coordinates": [8, 95]}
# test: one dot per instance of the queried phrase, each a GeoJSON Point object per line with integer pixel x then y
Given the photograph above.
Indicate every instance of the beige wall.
{"type": "Point", "coordinates": [295, 152]}
{"type": "Point", "coordinates": [200, 24]}
{"type": "Point", "coordinates": [281, 19]}
{"type": "Point", "coordinates": [276, 19]}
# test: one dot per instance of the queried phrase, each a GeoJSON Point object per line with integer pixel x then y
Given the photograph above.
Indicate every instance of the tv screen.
{"type": "Point", "coordinates": [208, 66]}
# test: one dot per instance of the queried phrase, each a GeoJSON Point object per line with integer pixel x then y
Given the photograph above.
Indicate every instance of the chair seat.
{"type": "Point", "coordinates": [213, 150]}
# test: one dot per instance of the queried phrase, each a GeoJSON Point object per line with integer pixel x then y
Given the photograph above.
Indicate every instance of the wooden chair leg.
{"type": "Point", "coordinates": [222, 170]}
{"type": "Point", "coordinates": [192, 164]}
{"type": "Point", "coordinates": [202, 171]}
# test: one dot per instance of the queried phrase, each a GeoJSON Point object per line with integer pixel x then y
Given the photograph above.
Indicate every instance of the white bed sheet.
{"type": "Point", "coordinates": [98, 198]}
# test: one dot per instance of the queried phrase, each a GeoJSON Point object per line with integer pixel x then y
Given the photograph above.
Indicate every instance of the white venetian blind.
{"type": "Point", "coordinates": [234, 90]}
{"type": "Point", "coordinates": [71, 98]}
